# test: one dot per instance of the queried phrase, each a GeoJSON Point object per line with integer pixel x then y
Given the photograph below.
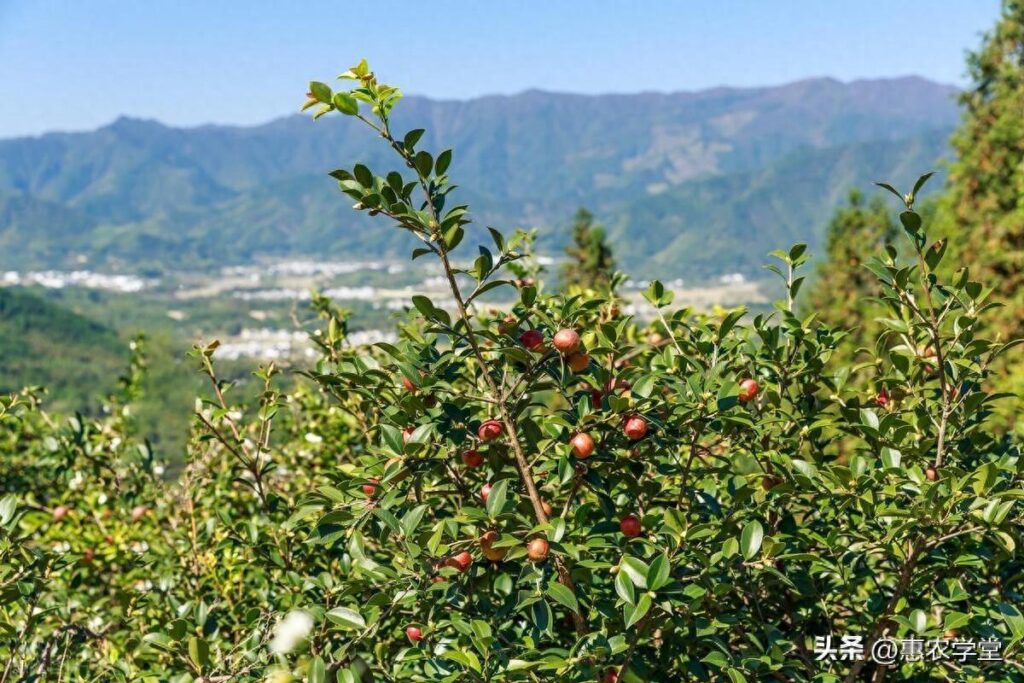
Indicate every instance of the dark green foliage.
{"type": "Point", "coordinates": [590, 264]}
{"type": "Point", "coordinates": [844, 289]}
{"type": "Point", "coordinates": [984, 209]}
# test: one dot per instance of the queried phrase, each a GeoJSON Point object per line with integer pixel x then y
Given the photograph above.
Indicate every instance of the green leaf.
{"type": "Point", "coordinates": [658, 575]}
{"type": "Point", "coordinates": [199, 652]}
{"type": "Point", "coordinates": [320, 91]}
{"type": "Point", "coordinates": [911, 221]}
{"type": "Point", "coordinates": [317, 671]}
{"type": "Point", "coordinates": [7, 508]}
{"type": "Point", "coordinates": [624, 587]}
{"type": "Point", "coordinates": [496, 498]}
{"type": "Point", "coordinates": [444, 159]}
{"type": "Point", "coordinates": [346, 618]}
{"type": "Point", "coordinates": [636, 570]}
{"type": "Point", "coordinates": [750, 539]}
{"type": "Point", "coordinates": [561, 594]}
{"type": "Point", "coordinates": [1012, 616]}
{"type": "Point", "coordinates": [345, 103]}
{"type": "Point", "coordinates": [411, 519]}
{"type": "Point", "coordinates": [423, 305]}
{"type": "Point", "coordinates": [635, 613]}
{"type": "Point", "coordinates": [735, 676]}
{"type": "Point", "coordinates": [920, 183]}
{"type": "Point", "coordinates": [424, 163]}
{"type": "Point", "coordinates": [411, 138]}
{"type": "Point", "coordinates": [919, 620]}
{"type": "Point", "coordinates": [892, 189]}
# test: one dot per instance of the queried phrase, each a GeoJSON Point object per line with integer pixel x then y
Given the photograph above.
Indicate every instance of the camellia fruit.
{"type": "Point", "coordinates": [138, 512]}
{"type": "Point", "coordinates": [931, 473]}
{"type": "Point", "coordinates": [566, 340]}
{"type": "Point", "coordinates": [485, 491]}
{"type": "Point", "coordinates": [414, 634]}
{"type": "Point", "coordinates": [610, 676]}
{"type": "Point", "coordinates": [630, 526]}
{"type": "Point", "coordinates": [578, 362]}
{"type": "Point", "coordinates": [370, 487]}
{"type": "Point", "coordinates": [472, 459]}
{"type": "Point", "coordinates": [508, 325]}
{"type": "Point", "coordinates": [407, 434]}
{"type": "Point", "coordinates": [582, 445]}
{"type": "Point", "coordinates": [748, 389]}
{"type": "Point", "coordinates": [882, 398]}
{"type": "Point", "coordinates": [547, 508]}
{"type": "Point", "coordinates": [407, 383]}
{"type": "Point", "coordinates": [60, 512]}
{"type": "Point", "coordinates": [489, 430]}
{"type": "Point", "coordinates": [533, 340]}
{"type": "Point", "coordinates": [487, 542]}
{"type": "Point", "coordinates": [537, 550]}
{"type": "Point", "coordinates": [462, 561]}
{"type": "Point", "coordinates": [635, 427]}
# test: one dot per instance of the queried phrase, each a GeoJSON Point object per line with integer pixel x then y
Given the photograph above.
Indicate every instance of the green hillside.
{"type": "Point", "coordinates": [78, 360]}
{"type": "Point", "coordinates": [136, 195]}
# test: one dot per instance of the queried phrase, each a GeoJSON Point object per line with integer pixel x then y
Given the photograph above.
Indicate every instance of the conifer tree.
{"type": "Point", "coordinates": [590, 264]}
{"type": "Point", "coordinates": [984, 207]}
{"type": "Point", "coordinates": [843, 285]}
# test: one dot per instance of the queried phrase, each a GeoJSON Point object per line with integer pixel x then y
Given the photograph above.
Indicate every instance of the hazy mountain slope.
{"type": "Point", "coordinates": [137, 193]}
{"type": "Point", "coordinates": [730, 223]}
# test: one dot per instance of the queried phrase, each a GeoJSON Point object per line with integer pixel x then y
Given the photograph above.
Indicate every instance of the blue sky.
{"type": "Point", "coordinates": [78, 64]}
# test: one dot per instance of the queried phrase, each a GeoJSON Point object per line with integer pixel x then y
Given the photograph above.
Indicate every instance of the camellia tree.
{"type": "Point", "coordinates": [540, 490]}
{"type": "Point", "coordinates": [544, 495]}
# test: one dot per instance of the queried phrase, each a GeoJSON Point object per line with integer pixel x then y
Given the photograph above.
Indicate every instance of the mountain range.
{"type": "Point", "coordinates": [692, 184]}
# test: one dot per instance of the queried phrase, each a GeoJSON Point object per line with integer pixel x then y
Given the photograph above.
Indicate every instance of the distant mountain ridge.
{"type": "Point", "coordinates": [671, 170]}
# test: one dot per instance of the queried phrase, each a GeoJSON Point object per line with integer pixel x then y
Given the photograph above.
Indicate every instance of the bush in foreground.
{"type": "Point", "coordinates": [546, 491]}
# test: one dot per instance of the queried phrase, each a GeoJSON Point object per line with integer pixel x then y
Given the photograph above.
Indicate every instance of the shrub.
{"type": "Point", "coordinates": [481, 502]}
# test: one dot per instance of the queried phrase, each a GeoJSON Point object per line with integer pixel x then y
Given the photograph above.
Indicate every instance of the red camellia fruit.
{"type": "Point", "coordinates": [566, 340]}
{"type": "Point", "coordinates": [407, 383]}
{"type": "Point", "coordinates": [882, 398]}
{"type": "Point", "coordinates": [533, 340]}
{"type": "Point", "coordinates": [485, 491]}
{"type": "Point", "coordinates": [610, 676]}
{"type": "Point", "coordinates": [370, 487]}
{"type": "Point", "coordinates": [60, 512]}
{"type": "Point", "coordinates": [489, 430]}
{"type": "Point", "coordinates": [88, 555]}
{"type": "Point", "coordinates": [472, 459]}
{"type": "Point", "coordinates": [578, 362]}
{"type": "Point", "coordinates": [138, 512]}
{"type": "Point", "coordinates": [748, 389]}
{"type": "Point", "coordinates": [931, 473]}
{"type": "Point", "coordinates": [547, 508]}
{"type": "Point", "coordinates": [407, 434]}
{"type": "Point", "coordinates": [635, 427]}
{"type": "Point", "coordinates": [487, 542]}
{"type": "Point", "coordinates": [414, 634]}
{"type": "Point", "coordinates": [461, 561]}
{"type": "Point", "coordinates": [582, 445]}
{"type": "Point", "coordinates": [630, 526]}
{"type": "Point", "coordinates": [596, 396]}
{"type": "Point", "coordinates": [537, 550]}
